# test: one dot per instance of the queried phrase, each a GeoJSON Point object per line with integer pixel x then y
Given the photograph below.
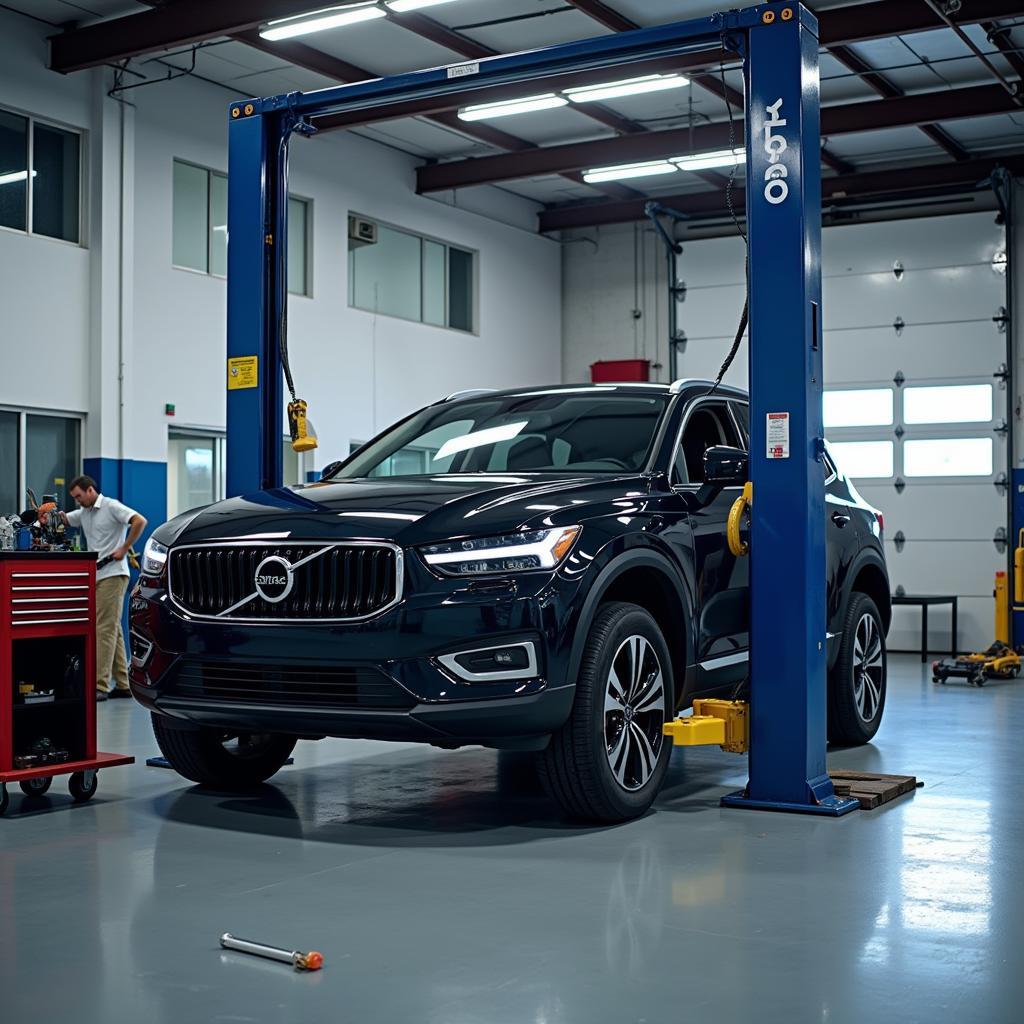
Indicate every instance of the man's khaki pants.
{"type": "Point", "coordinates": [110, 657]}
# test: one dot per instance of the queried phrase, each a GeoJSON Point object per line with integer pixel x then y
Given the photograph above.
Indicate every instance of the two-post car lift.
{"type": "Point", "coordinates": [779, 46]}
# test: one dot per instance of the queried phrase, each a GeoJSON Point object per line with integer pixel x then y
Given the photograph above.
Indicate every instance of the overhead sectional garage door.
{"type": "Point", "coordinates": [912, 346]}
{"type": "Point", "coordinates": [914, 408]}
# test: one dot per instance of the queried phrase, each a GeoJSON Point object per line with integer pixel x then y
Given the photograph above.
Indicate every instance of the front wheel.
{"type": "Point", "coordinates": [608, 761]}
{"type": "Point", "coordinates": [857, 684]}
{"type": "Point", "coordinates": [220, 759]}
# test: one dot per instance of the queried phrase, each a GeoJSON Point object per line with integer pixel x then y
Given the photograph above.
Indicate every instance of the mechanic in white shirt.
{"type": "Point", "coordinates": [104, 521]}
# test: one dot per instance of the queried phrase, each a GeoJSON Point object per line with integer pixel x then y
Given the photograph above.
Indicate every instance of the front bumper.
{"type": "Point", "coordinates": [401, 648]}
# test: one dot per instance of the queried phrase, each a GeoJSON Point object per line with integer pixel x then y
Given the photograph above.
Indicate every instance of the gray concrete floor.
{"type": "Point", "coordinates": [441, 887]}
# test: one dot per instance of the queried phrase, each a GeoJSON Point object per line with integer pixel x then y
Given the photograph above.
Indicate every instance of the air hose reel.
{"type": "Point", "coordinates": [740, 507]}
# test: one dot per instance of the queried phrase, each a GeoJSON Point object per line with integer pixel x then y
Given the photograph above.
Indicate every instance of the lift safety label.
{"type": "Point", "coordinates": [778, 435]}
{"type": "Point", "coordinates": [461, 70]}
{"type": "Point", "coordinates": [242, 372]}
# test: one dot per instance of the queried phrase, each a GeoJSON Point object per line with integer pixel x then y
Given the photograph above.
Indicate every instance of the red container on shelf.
{"type": "Point", "coordinates": [608, 371]}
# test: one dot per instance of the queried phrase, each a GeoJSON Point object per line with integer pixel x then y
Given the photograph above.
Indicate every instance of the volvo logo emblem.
{"type": "Point", "coordinates": [275, 578]}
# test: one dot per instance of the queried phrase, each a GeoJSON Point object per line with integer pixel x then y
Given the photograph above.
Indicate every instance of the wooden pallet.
{"type": "Point", "coordinates": [870, 789]}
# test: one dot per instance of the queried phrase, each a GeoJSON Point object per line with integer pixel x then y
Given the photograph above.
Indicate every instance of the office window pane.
{"type": "Point", "coordinates": [864, 459]}
{"type": "Point", "coordinates": [460, 289]}
{"type": "Point", "coordinates": [961, 456]}
{"type": "Point", "coordinates": [385, 276]}
{"type": "Point", "coordinates": [298, 213]}
{"type": "Point", "coordinates": [191, 473]}
{"type": "Point", "coordinates": [963, 403]}
{"type": "Point", "coordinates": [218, 224]}
{"type": "Point", "coordinates": [55, 182]}
{"type": "Point", "coordinates": [191, 217]}
{"type": "Point", "coordinates": [52, 458]}
{"type": "Point", "coordinates": [433, 283]}
{"type": "Point", "coordinates": [865, 408]}
{"type": "Point", "coordinates": [13, 170]}
{"type": "Point", "coordinates": [10, 499]}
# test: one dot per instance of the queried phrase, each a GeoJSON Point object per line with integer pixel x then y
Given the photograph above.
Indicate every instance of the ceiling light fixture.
{"type": "Point", "coordinates": [10, 179]}
{"type": "Point", "coordinates": [705, 161]}
{"type": "Point", "coordinates": [642, 170]}
{"type": "Point", "coordinates": [401, 6]}
{"type": "Point", "coordinates": [318, 21]}
{"type": "Point", "coordinates": [483, 111]}
{"type": "Point", "coordinates": [625, 87]}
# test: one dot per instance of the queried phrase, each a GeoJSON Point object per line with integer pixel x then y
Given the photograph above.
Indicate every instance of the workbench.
{"type": "Point", "coordinates": [48, 644]}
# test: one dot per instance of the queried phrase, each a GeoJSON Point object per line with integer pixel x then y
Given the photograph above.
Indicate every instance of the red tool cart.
{"type": "Point", "coordinates": [47, 673]}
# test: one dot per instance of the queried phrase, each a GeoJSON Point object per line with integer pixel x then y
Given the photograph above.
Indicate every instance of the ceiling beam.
{"type": "Point", "coordinates": [173, 24]}
{"type": "Point", "coordinates": [902, 181]}
{"type": "Point", "coordinates": [836, 119]}
{"type": "Point", "coordinates": [180, 22]}
{"type": "Point", "coordinates": [885, 88]}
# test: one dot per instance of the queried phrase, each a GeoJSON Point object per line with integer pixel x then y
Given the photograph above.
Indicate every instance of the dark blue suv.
{"type": "Point", "coordinates": [542, 569]}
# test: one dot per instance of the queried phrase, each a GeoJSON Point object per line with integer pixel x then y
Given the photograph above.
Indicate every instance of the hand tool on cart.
{"type": "Point", "coordinates": [311, 961]}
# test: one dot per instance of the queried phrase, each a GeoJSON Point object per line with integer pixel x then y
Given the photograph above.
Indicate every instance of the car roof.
{"type": "Point", "coordinates": [684, 386]}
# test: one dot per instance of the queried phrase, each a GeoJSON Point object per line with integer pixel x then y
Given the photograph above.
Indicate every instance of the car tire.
{"type": "Point", "coordinates": [204, 755]}
{"type": "Point", "coordinates": [857, 683]}
{"type": "Point", "coordinates": [608, 761]}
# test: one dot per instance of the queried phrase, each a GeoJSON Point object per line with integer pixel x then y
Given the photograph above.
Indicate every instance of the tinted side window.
{"type": "Point", "coordinates": [708, 424]}
{"type": "Point", "coordinates": [742, 413]}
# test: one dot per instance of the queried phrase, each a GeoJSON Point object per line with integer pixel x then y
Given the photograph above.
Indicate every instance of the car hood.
{"type": "Point", "coordinates": [407, 510]}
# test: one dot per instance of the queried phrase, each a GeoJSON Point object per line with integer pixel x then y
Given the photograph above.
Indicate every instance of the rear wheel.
{"type": "Point", "coordinates": [608, 761]}
{"type": "Point", "coordinates": [857, 684]}
{"type": "Point", "coordinates": [222, 759]}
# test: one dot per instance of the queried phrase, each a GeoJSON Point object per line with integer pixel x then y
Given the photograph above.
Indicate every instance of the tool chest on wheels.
{"type": "Point", "coordinates": [47, 673]}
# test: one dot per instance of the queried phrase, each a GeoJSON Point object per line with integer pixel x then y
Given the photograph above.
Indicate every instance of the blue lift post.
{"type": "Point", "coordinates": [778, 42]}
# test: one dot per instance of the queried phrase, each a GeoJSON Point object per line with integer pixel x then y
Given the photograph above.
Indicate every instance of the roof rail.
{"type": "Point", "coordinates": [678, 385]}
{"type": "Point", "coordinates": [468, 393]}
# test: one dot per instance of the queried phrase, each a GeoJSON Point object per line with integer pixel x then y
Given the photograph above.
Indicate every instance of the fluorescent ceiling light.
{"type": "Point", "coordinates": [413, 5]}
{"type": "Point", "coordinates": [482, 111]}
{"type": "Point", "coordinates": [704, 161]}
{"type": "Point", "coordinates": [644, 170]}
{"type": "Point", "coordinates": [625, 87]}
{"type": "Point", "coordinates": [10, 179]}
{"type": "Point", "coordinates": [317, 21]}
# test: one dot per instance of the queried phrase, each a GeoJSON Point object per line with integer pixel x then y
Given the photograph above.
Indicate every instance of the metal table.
{"type": "Point", "coordinates": [926, 601]}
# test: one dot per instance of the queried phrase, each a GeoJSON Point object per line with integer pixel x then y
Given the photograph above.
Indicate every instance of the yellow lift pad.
{"type": "Point", "coordinates": [725, 723]}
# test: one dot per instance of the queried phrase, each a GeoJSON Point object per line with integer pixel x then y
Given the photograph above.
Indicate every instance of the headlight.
{"type": "Point", "coordinates": [510, 552]}
{"type": "Point", "coordinates": [154, 558]}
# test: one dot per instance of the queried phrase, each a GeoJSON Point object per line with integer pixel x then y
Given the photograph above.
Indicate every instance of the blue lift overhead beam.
{"type": "Point", "coordinates": [779, 46]}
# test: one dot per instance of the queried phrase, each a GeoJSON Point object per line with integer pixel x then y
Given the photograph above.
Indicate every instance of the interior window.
{"type": "Point", "coordinates": [709, 424]}
{"type": "Point", "coordinates": [742, 413]}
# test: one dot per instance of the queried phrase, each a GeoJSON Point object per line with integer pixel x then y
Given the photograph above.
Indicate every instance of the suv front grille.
{"type": "Point", "coordinates": [365, 688]}
{"type": "Point", "coordinates": [327, 581]}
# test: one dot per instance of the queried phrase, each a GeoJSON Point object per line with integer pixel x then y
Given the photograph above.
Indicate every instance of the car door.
{"type": "Point", "coordinates": [722, 580]}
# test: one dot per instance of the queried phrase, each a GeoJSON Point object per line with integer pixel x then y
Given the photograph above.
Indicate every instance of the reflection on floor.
{"type": "Point", "coordinates": [442, 887]}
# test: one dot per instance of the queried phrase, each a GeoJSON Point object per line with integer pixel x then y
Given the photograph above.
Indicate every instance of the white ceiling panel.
{"type": "Point", "coordinates": [892, 145]}
{"type": "Point", "coordinates": [427, 138]}
{"type": "Point", "coordinates": [1005, 131]}
{"type": "Point", "coordinates": [661, 12]}
{"type": "Point", "coordinates": [562, 25]}
{"type": "Point", "coordinates": [246, 57]}
{"type": "Point", "coordinates": [84, 11]}
{"type": "Point", "coordinates": [383, 48]}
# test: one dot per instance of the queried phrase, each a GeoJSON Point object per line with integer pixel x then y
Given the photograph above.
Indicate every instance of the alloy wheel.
{"type": "Point", "coordinates": [868, 667]}
{"type": "Point", "coordinates": [634, 712]}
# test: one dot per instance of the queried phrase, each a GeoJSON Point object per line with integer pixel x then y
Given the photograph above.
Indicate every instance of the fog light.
{"type": "Point", "coordinates": [490, 664]}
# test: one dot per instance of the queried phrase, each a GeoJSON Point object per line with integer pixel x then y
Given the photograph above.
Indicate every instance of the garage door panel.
{"type": "Point", "coordinates": [927, 242]}
{"type": "Point", "coordinates": [938, 511]}
{"type": "Point", "coordinates": [931, 296]}
{"type": "Point", "coordinates": [939, 352]}
{"type": "Point", "coordinates": [974, 627]}
{"type": "Point", "coordinates": [705, 311]}
{"type": "Point", "coordinates": [932, 567]}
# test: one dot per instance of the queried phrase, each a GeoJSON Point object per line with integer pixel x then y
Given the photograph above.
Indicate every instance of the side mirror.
{"type": "Point", "coordinates": [725, 466]}
{"type": "Point", "coordinates": [330, 468]}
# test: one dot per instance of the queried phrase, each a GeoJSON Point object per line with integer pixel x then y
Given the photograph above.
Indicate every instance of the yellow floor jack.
{"type": "Point", "coordinates": [1000, 661]}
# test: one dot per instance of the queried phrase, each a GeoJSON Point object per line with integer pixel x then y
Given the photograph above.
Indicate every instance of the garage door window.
{"type": "Point", "coordinates": [959, 456]}
{"type": "Point", "coordinates": [864, 459]}
{"type": "Point", "coordinates": [872, 407]}
{"type": "Point", "coordinates": [959, 403]}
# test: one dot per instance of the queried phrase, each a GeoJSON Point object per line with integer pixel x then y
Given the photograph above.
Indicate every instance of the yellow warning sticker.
{"type": "Point", "coordinates": [242, 372]}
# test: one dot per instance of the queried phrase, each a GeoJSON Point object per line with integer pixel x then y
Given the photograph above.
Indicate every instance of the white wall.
{"type": "Point", "coordinates": [357, 371]}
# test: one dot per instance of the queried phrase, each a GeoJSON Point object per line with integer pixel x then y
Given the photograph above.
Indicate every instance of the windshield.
{"type": "Point", "coordinates": [543, 432]}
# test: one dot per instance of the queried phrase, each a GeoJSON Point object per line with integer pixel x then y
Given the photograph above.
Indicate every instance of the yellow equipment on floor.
{"type": "Point", "coordinates": [1000, 661]}
{"type": "Point", "coordinates": [725, 723]}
